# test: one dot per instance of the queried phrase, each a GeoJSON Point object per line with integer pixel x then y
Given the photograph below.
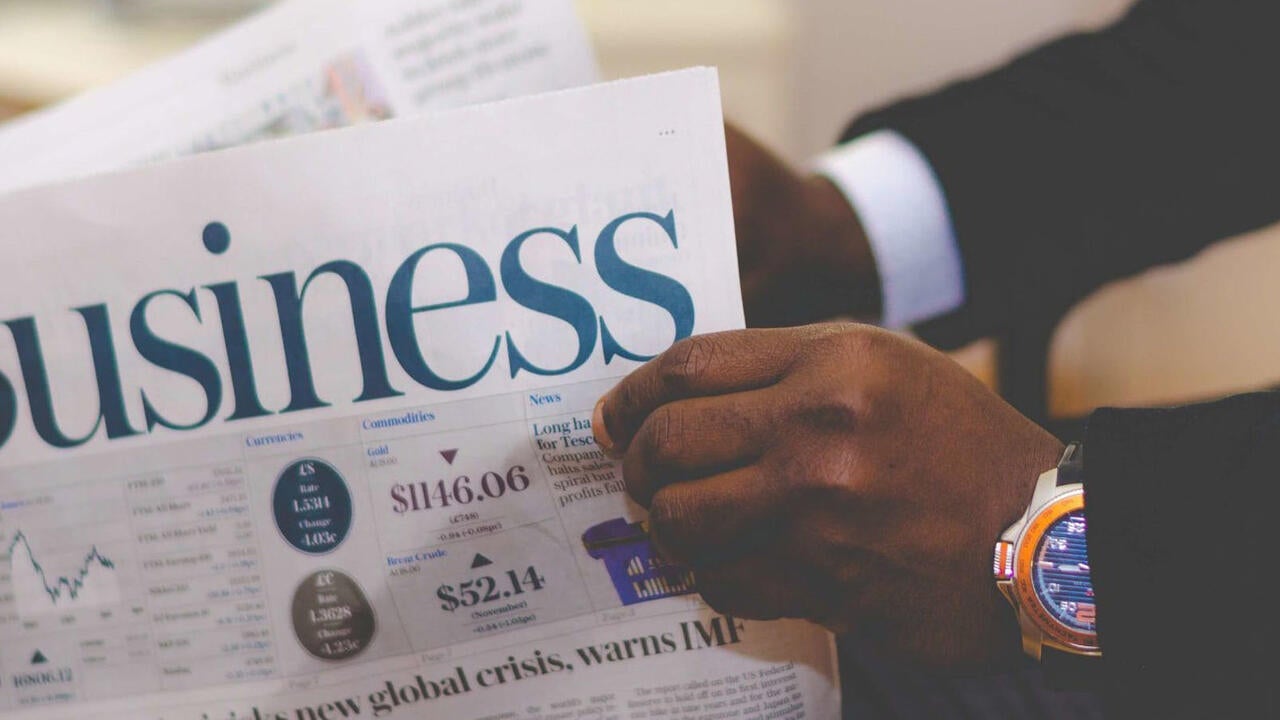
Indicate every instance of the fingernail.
{"type": "Point", "coordinates": [601, 431]}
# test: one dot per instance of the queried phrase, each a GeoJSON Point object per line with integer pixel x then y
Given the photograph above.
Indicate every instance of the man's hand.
{"type": "Point", "coordinates": [838, 473]}
{"type": "Point", "coordinates": [801, 250]}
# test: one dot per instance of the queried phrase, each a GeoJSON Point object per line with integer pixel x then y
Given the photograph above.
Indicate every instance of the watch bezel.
{"type": "Point", "coordinates": [1055, 631]}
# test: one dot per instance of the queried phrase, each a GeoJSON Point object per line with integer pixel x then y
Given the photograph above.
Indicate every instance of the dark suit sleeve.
{"type": "Point", "coordinates": [1183, 543]}
{"type": "Point", "coordinates": [1102, 154]}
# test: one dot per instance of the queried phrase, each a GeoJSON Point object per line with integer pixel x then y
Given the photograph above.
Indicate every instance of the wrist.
{"type": "Point", "coordinates": [1042, 567]}
{"type": "Point", "coordinates": [1036, 455]}
{"type": "Point", "coordinates": [838, 248]}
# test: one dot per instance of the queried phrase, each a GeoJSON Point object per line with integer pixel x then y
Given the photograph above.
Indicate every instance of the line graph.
{"type": "Point", "coordinates": [92, 581]}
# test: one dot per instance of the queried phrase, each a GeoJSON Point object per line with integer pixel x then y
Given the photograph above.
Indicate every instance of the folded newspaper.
{"type": "Point", "coordinates": [302, 430]}
{"type": "Point", "coordinates": [301, 66]}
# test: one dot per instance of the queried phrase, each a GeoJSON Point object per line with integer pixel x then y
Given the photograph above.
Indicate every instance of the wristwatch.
{"type": "Point", "coordinates": [1042, 567]}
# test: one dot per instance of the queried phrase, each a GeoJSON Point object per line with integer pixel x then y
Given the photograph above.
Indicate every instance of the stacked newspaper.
{"type": "Point", "coordinates": [301, 430]}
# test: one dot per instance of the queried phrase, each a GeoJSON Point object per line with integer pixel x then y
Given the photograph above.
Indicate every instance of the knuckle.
{"type": "Point", "coordinates": [670, 510]}
{"type": "Point", "coordinates": [820, 480]}
{"type": "Point", "coordinates": [849, 574]}
{"type": "Point", "coordinates": [683, 366]}
{"type": "Point", "coordinates": [661, 435]}
{"type": "Point", "coordinates": [636, 478]}
{"type": "Point", "coordinates": [853, 346]}
{"type": "Point", "coordinates": [843, 405]}
{"type": "Point", "coordinates": [833, 412]}
{"type": "Point", "coordinates": [672, 521]}
{"type": "Point", "coordinates": [863, 341]}
{"type": "Point", "coordinates": [872, 402]}
{"type": "Point", "coordinates": [627, 397]}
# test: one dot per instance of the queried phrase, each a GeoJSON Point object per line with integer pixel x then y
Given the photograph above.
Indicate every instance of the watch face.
{"type": "Point", "coordinates": [1060, 574]}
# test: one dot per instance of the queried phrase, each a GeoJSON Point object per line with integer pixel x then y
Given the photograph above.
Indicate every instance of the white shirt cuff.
{"type": "Point", "coordinates": [903, 210]}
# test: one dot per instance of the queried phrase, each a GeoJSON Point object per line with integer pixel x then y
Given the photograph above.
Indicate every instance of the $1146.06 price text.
{"type": "Point", "coordinates": [462, 490]}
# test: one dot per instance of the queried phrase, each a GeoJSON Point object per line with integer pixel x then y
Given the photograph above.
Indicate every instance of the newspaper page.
{"type": "Point", "coordinates": [304, 65]}
{"type": "Point", "coordinates": [302, 430]}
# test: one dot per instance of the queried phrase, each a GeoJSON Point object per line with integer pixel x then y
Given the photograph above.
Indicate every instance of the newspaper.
{"type": "Point", "coordinates": [302, 430]}
{"type": "Point", "coordinates": [305, 65]}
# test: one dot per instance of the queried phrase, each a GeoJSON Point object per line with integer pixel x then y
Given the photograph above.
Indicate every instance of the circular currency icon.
{"type": "Point", "coordinates": [312, 506]}
{"type": "Point", "coordinates": [331, 616]}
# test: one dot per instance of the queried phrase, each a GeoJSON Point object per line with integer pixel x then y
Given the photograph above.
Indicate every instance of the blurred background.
{"type": "Point", "coordinates": [794, 71]}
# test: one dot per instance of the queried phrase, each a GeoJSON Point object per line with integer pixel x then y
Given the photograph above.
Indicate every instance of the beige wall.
{"type": "Point", "coordinates": [1194, 330]}
{"type": "Point", "coordinates": [857, 54]}
{"type": "Point", "coordinates": [752, 42]}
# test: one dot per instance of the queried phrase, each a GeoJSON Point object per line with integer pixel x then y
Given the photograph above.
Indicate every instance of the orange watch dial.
{"type": "Point", "coordinates": [1052, 576]}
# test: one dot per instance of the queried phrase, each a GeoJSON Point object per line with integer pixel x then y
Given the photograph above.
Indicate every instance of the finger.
{"type": "Point", "coordinates": [688, 439]}
{"type": "Point", "coordinates": [705, 365]}
{"type": "Point", "coordinates": [763, 586]}
{"type": "Point", "coordinates": [718, 518]}
{"type": "Point", "coordinates": [848, 577]}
